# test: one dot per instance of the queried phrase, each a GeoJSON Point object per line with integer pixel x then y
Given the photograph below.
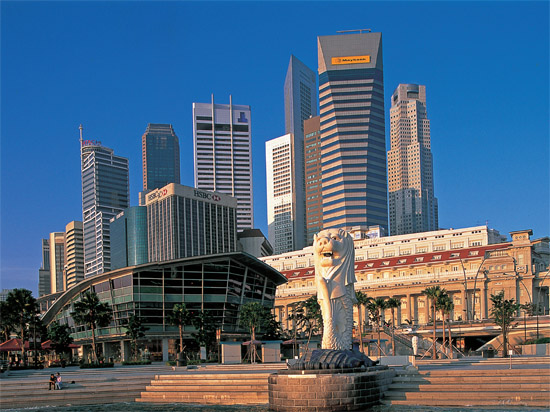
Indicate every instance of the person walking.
{"type": "Point", "coordinates": [53, 382]}
{"type": "Point", "coordinates": [58, 382]}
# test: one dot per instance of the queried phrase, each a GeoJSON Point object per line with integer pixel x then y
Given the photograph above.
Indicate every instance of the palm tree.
{"type": "Point", "coordinates": [22, 307]}
{"type": "Point", "coordinates": [447, 307]}
{"type": "Point", "coordinates": [180, 317]}
{"type": "Point", "coordinates": [434, 293]}
{"type": "Point", "coordinates": [93, 313]}
{"type": "Point", "coordinates": [362, 300]}
{"type": "Point", "coordinates": [375, 307]}
{"type": "Point", "coordinates": [392, 304]}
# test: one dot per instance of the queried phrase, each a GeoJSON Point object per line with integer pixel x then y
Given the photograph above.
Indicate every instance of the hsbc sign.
{"type": "Point", "coordinates": [206, 195]}
{"type": "Point", "coordinates": [157, 195]}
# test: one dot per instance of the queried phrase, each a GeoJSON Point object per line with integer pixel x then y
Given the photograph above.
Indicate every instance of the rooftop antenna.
{"type": "Point", "coordinates": [352, 31]}
{"type": "Point", "coordinates": [81, 128]}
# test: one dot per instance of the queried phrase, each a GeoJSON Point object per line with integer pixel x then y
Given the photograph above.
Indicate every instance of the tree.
{"type": "Point", "coordinates": [254, 315]}
{"type": "Point", "coordinates": [6, 321]}
{"type": "Point", "coordinates": [205, 328]}
{"type": "Point", "coordinates": [434, 293]}
{"type": "Point", "coordinates": [135, 331]}
{"type": "Point", "coordinates": [93, 313]}
{"type": "Point", "coordinates": [362, 300]}
{"type": "Point", "coordinates": [376, 307]}
{"type": "Point", "coordinates": [180, 317]}
{"type": "Point", "coordinates": [392, 304]}
{"type": "Point", "coordinates": [503, 312]}
{"type": "Point", "coordinates": [60, 336]}
{"type": "Point", "coordinates": [307, 315]}
{"type": "Point", "coordinates": [446, 306]}
{"type": "Point", "coordinates": [22, 307]}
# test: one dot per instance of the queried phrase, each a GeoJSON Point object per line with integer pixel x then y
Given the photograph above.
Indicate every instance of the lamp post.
{"type": "Point", "coordinates": [465, 291]}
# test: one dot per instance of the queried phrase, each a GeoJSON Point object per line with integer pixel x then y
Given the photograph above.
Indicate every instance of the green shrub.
{"type": "Point", "coordinates": [171, 363]}
{"type": "Point", "coordinates": [537, 341]}
{"type": "Point", "coordinates": [97, 365]}
{"type": "Point", "coordinates": [143, 362]}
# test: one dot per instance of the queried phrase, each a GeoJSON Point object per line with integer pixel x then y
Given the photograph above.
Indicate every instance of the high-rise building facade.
{"type": "Point", "coordinates": [353, 147]}
{"type": "Point", "coordinates": [105, 193]}
{"type": "Point", "coordinates": [74, 254]}
{"type": "Point", "coordinates": [300, 96]}
{"type": "Point", "coordinates": [161, 156]}
{"type": "Point", "coordinates": [57, 261]}
{"type": "Point", "coordinates": [413, 206]}
{"type": "Point", "coordinates": [44, 281]}
{"type": "Point", "coordinates": [129, 238]}
{"type": "Point", "coordinates": [285, 228]}
{"type": "Point", "coordinates": [183, 221]}
{"type": "Point", "coordinates": [223, 156]}
{"type": "Point", "coordinates": [313, 177]}
{"type": "Point", "coordinates": [300, 104]}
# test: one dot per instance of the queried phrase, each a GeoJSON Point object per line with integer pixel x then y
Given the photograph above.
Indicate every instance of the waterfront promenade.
{"type": "Point", "coordinates": [212, 383]}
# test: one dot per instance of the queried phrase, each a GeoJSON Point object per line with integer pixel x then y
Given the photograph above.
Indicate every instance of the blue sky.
{"type": "Point", "coordinates": [116, 66]}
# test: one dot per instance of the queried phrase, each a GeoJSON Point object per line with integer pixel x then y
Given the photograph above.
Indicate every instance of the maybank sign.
{"type": "Point", "coordinates": [351, 59]}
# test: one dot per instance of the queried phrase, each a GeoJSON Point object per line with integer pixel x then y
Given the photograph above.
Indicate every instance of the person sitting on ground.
{"type": "Point", "coordinates": [53, 382]}
{"type": "Point", "coordinates": [58, 381]}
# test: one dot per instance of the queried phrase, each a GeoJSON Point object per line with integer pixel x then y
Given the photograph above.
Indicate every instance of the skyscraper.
{"type": "Point", "coordinates": [183, 221]}
{"type": "Point", "coordinates": [222, 152]}
{"type": "Point", "coordinates": [300, 104]}
{"type": "Point", "coordinates": [57, 261]}
{"type": "Point", "coordinates": [413, 207]}
{"type": "Point", "coordinates": [313, 177]}
{"type": "Point", "coordinates": [161, 156]}
{"type": "Point", "coordinates": [44, 281]}
{"type": "Point", "coordinates": [300, 96]}
{"type": "Point", "coordinates": [74, 253]}
{"type": "Point", "coordinates": [105, 193]}
{"type": "Point", "coordinates": [353, 147]}
{"type": "Point", "coordinates": [285, 229]}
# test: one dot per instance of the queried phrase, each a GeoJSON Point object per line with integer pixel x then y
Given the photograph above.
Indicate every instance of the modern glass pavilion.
{"type": "Point", "coordinates": [219, 284]}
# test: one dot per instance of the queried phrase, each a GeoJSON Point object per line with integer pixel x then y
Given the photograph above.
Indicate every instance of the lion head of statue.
{"type": "Point", "coordinates": [334, 251]}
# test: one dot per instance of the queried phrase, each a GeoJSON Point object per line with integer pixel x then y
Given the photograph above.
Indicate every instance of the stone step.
{"type": "Point", "coordinates": [73, 389]}
{"type": "Point", "coordinates": [472, 379]}
{"type": "Point", "coordinates": [485, 372]}
{"type": "Point", "coordinates": [472, 396]}
{"type": "Point", "coordinates": [213, 376]}
{"type": "Point", "coordinates": [218, 398]}
{"type": "Point", "coordinates": [60, 399]}
{"type": "Point", "coordinates": [468, 403]}
{"type": "Point", "coordinates": [204, 388]}
{"type": "Point", "coordinates": [481, 387]}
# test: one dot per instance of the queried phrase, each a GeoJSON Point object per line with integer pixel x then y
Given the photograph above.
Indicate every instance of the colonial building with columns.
{"type": "Point", "coordinates": [471, 264]}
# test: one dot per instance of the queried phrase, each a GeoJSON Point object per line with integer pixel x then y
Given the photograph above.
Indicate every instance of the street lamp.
{"type": "Point", "coordinates": [466, 287]}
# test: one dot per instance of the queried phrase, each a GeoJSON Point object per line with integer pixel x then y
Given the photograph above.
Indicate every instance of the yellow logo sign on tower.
{"type": "Point", "coordinates": [350, 59]}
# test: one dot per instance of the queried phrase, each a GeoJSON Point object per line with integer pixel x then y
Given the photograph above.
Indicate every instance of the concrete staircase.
{"type": "Point", "coordinates": [209, 388]}
{"type": "Point", "coordinates": [485, 387]}
{"type": "Point", "coordinates": [92, 387]}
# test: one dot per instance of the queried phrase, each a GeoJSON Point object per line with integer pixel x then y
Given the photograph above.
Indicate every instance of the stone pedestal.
{"type": "Point", "coordinates": [328, 390]}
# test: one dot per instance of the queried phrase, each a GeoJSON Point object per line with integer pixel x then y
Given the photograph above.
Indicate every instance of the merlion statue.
{"type": "Point", "coordinates": [334, 256]}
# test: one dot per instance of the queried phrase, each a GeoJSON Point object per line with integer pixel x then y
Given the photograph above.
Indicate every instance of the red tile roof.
{"type": "Point", "coordinates": [403, 261]}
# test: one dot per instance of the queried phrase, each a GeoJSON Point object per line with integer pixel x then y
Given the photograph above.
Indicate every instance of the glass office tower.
{"type": "Point", "coordinates": [161, 156]}
{"type": "Point", "coordinates": [353, 146]}
{"type": "Point", "coordinates": [105, 193]}
{"type": "Point", "coordinates": [129, 246]}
